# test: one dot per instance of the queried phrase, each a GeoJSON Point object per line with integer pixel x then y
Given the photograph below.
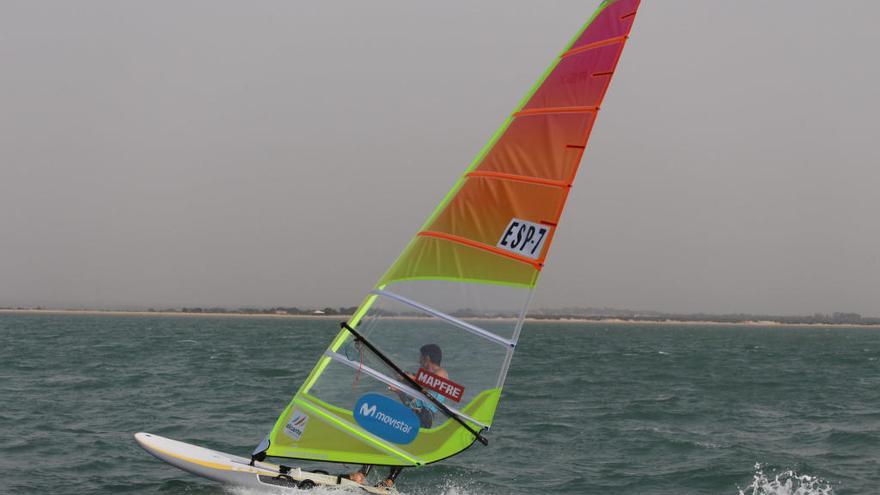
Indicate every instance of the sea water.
{"type": "Point", "coordinates": [588, 408]}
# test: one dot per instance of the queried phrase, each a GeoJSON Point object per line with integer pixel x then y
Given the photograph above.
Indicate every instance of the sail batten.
{"type": "Point", "coordinates": [448, 318]}
{"type": "Point", "coordinates": [473, 267]}
{"type": "Point", "coordinates": [552, 110]}
{"type": "Point", "coordinates": [520, 178]}
{"type": "Point", "coordinates": [594, 45]}
{"type": "Point", "coordinates": [479, 245]}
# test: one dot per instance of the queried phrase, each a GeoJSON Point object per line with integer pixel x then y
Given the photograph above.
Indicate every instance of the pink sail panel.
{"type": "Point", "coordinates": [613, 21]}
{"type": "Point", "coordinates": [523, 180]}
{"type": "Point", "coordinates": [580, 79]}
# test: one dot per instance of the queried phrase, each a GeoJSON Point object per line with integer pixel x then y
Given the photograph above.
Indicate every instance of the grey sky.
{"type": "Point", "coordinates": [173, 153]}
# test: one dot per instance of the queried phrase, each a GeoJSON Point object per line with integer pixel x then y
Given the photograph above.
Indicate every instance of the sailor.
{"type": "Point", "coordinates": [430, 356]}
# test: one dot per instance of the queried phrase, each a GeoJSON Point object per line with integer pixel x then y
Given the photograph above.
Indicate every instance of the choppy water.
{"type": "Point", "coordinates": [588, 408]}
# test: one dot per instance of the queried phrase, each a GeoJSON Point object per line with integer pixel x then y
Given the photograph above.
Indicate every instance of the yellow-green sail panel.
{"type": "Point", "coordinates": [328, 438]}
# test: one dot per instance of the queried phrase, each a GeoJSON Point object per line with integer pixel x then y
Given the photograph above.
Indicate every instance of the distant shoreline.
{"type": "Point", "coordinates": [565, 320]}
{"type": "Point", "coordinates": [114, 312]}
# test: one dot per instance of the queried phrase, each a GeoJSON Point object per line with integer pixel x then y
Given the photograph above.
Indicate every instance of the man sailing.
{"type": "Point", "coordinates": [430, 357]}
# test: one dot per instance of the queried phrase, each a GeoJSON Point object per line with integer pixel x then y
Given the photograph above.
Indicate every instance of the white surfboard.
{"type": "Point", "coordinates": [238, 471]}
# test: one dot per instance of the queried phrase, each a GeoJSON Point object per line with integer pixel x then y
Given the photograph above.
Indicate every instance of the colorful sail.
{"type": "Point", "coordinates": [479, 254]}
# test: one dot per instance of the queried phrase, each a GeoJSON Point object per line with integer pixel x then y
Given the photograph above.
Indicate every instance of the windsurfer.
{"type": "Point", "coordinates": [430, 356]}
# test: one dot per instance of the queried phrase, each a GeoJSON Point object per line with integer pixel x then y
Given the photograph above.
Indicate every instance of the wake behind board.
{"type": "Point", "coordinates": [234, 470]}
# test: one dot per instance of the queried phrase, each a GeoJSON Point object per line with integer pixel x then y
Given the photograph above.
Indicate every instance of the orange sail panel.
{"type": "Point", "coordinates": [518, 186]}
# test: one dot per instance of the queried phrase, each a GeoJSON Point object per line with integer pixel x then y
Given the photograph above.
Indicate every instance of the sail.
{"type": "Point", "coordinates": [461, 285]}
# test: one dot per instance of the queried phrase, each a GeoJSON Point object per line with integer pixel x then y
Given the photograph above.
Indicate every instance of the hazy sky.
{"type": "Point", "coordinates": [171, 153]}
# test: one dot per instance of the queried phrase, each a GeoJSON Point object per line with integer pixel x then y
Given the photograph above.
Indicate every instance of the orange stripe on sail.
{"type": "Point", "coordinates": [520, 178]}
{"type": "Point", "coordinates": [595, 44]}
{"type": "Point", "coordinates": [479, 245]}
{"type": "Point", "coordinates": [543, 111]}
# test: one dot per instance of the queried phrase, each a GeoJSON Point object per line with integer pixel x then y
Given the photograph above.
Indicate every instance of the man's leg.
{"type": "Point", "coordinates": [360, 476]}
{"type": "Point", "coordinates": [392, 476]}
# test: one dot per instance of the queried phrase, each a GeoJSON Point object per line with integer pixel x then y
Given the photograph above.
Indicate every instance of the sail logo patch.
{"type": "Point", "coordinates": [386, 418]}
{"type": "Point", "coordinates": [524, 238]}
{"type": "Point", "coordinates": [297, 425]}
{"type": "Point", "coordinates": [443, 386]}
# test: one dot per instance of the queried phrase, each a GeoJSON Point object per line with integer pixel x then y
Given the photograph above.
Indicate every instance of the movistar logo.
{"type": "Point", "coordinates": [386, 418]}
{"type": "Point", "coordinates": [368, 410]}
{"type": "Point", "coordinates": [371, 412]}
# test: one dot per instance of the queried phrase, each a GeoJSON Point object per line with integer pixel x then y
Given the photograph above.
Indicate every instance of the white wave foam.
{"type": "Point", "coordinates": [786, 483]}
{"type": "Point", "coordinates": [453, 487]}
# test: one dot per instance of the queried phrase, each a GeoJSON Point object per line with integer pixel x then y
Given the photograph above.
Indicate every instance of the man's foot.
{"type": "Point", "coordinates": [358, 477]}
